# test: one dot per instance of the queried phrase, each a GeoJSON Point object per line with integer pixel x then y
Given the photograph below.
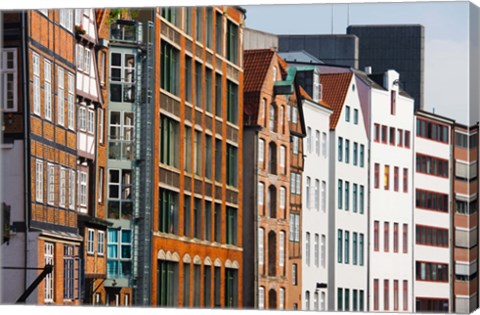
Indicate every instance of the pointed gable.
{"type": "Point", "coordinates": [334, 92]}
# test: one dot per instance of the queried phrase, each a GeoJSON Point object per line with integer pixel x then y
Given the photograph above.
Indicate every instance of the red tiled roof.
{"type": "Point", "coordinates": [256, 63]}
{"type": "Point", "coordinates": [334, 91]}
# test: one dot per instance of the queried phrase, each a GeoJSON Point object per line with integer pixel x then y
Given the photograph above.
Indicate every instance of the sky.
{"type": "Point", "coordinates": [446, 39]}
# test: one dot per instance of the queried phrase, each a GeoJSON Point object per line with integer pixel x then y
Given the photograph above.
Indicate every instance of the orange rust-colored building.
{"type": "Point", "coordinates": [274, 129]}
{"type": "Point", "coordinates": [39, 156]}
{"type": "Point", "coordinates": [465, 219]}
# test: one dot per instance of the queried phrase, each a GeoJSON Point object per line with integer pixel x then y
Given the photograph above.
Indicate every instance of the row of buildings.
{"type": "Point", "coordinates": [153, 161]}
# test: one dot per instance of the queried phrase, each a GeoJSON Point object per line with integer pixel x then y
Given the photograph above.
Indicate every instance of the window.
{"type": "Point", "coordinates": [121, 135]}
{"type": "Point", "coordinates": [376, 232]}
{"type": "Point", "coordinates": [47, 88]}
{"type": "Point", "coordinates": [209, 29]}
{"type": "Point", "coordinates": [63, 187]}
{"type": "Point", "coordinates": [231, 284]}
{"type": "Point", "coordinates": [407, 139]}
{"type": "Point", "coordinates": [167, 283]}
{"type": "Point", "coordinates": [431, 200]}
{"type": "Point", "coordinates": [355, 116]}
{"type": "Point", "coordinates": [281, 251]}
{"type": "Point", "coordinates": [395, 178]}
{"type": "Point", "coordinates": [354, 198]}
{"type": "Point", "coordinates": [347, 247]}
{"type": "Point", "coordinates": [340, 149]}
{"type": "Point", "coordinates": [347, 151]}
{"type": "Point", "coordinates": [197, 218]}
{"type": "Point", "coordinates": [395, 237]}
{"type": "Point", "coordinates": [386, 236]}
{"type": "Point", "coordinates": [339, 299]}
{"type": "Point", "coordinates": [295, 145]}
{"type": "Point", "coordinates": [467, 206]}
{"type": "Point", "coordinates": [272, 118]}
{"type": "Point", "coordinates": [431, 304]}
{"type": "Point", "coordinates": [429, 271]}
{"type": "Point", "coordinates": [395, 295]}
{"type": "Point", "coordinates": [170, 68]}
{"type": "Point", "coordinates": [122, 74]}
{"type": "Point", "coordinates": [434, 166]}
{"type": "Point", "coordinates": [309, 140]}
{"type": "Point", "coordinates": [169, 141]}
{"type": "Point", "coordinates": [66, 19]}
{"type": "Point", "coordinates": [120, 194]}
{"type": "Point", "coordinates": [282, 197]}
{"type": "Point", "coordinates": [316, 249]}
{"type": "Point", "coordinates": [294, 227]}
{"type": "Point", "coordinates": [392, 136]}
{"type": "Point", "coordinates": [71, 190]}
{"type": "Point", "coordinates": [68, 272]}
{"type": "Point", "coordinates": [307, 300]}
{"type": "Point", "coordinates": [71, 106]}
{"type": "Point", "coordinates": [261, 298]}
{"type": "Point", "coordinates": [188, 79]}
{"type": "Point", "coordinates": [219, 33]}
{"type": "Point", "coordinates": [376, 133]}
{"type": "Point", "coordinates": [91, 121]}
{"type": "Point", "coordinates": [386, 297]}
{"type": "Point", "coordinates": [308, 192]}
{"type": "Point", "coordinates": [375, 294]}
{"type": "Point", "coordinates": [8, 70]}
{"type": "Point", "coordinates": [339, 246]}
{"type": "Point", "coordinates": [232, 102]}
{"type": "Point", "coordinates": [340, 194]}
{"type": "Point", "coordinates": [317, 142]}
{"type": "Point", "coordinates": [168, 212]}
{"type": "Point", "coordinates": [355, 153]}
{"type": "Point", "coordinates": [50, 184]}
{"type": "Point", "coordinates": [282, 158]}
{"type": "Point", "coordinates": [386, 179]}
{"type": "Point", "coordinates": [376, 182]}
{"type": "Point", "coordinates": [384, 134]}
{"type": "Point", "coordinates": [347, 113]}
{"type": "Point", "coordinates": [400, 137]}
{"type": "Point", "coordinates": [354, 248]}
{"type": "Point", "coordinates": [60, 97]}
{"type": "Point", "coordinates": [261, 250]}
{"type": "Point", "coordinates": [355, 300]}
{"type": "Point", "coordinates": [324, 196]}
{"type": "Point", "coordinates": [315, 301]}
{"type": "Point", "coordinates": [119, 253]}
{"type": "Point", "coordinates": [39, 181]}
{"type": "Point", "coordinates": [272, 158]}
{"type": "Point", "coordinates": [405, 295]}
{"type": "Point", "coordinates": [360, 251]}
{"type": "Point", "coordinates": [324, 144]}
{"type": "Point", "coordinates": [198, 166]}
{"type": "Point", "coordinates": [317, 195]}
{"type": "Point", "coordinates": [405, 238]}
{"type": "Point", "coordinates": [86, 68]}
{"type": "Point", "coordinates": [231, 228]}
{"type": "Point", "coordinates": [307, 249]}
{"type": "Point", "coordinates": [49, 251]}
{"type": "Point", "coordinates": [294, 115]}
{"type": "Point", "coordinates": [36, 83]}
{"type": "Point", "coordinates": [198, 85]}
{"type": "Point", "coordinates": [294, 274]}
{"type": "Point", "coordinates": [101, 243]}
{"type": "Point", "coordinates": [218, 223]}
{"type": "Point", "coordinates": [82, 190]}
{"type": "Point", "coordinates": [347, 299]}
{"type": "Point", "coordinates": [347, 196]}
{"type": "Point", "coordinates": [361, 199]}
{"type": "Point", "coordinates": [261, 150]}
{"type": "Point", "coordinates": [91, 241]}
{"type": "Point", "coordinates": [323, 251]}
{"type": "Point", "coordinates": [232, 165]}
{"type": "Point", "coordinates": [232, 42]}
{"type": "Point", "coordinates": [405, 180]}
{"type": "Point", "coordinates": [82, 118]}
{"type": "Point", "coordinates": [429, 130]}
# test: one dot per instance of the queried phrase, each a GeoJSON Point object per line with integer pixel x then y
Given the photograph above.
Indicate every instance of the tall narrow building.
{"type": "Point", "coordinates": [272, 183]}
{"type": "Point", "coordinates": [39, 157]}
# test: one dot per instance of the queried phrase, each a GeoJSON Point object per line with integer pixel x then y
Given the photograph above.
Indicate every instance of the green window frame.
{"type": "Point", "coordinates": [231, 287]}
{"type": "Point", "coordinates": [167, 283]}
{"type": "Point", "coordinates": [340, 149]}
{"type": "Point", "coordinates": [340, 194]}
{"type": "Point", "coordinates": [169, 68]}
{"type": "Point", "coordinates": [232, 165]}
{"type": "Point", "coordinates": [168, 217]}
{"type": "Point", "coordinates": [340, 246]}
{"type": "Point", "coordinates": [232, 102]}
{"type": "Point", "coordinates": [232, 42]}
{"type": "Point", "coordinates": [169, 141]}
{"type": "Point", "coordinates": [231, 228]}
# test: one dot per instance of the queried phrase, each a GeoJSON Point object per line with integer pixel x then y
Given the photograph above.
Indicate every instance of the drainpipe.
{"type": "Point", "coordinates": [26, 143]}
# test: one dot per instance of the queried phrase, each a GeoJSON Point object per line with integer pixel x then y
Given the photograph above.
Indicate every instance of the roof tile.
{"type": "Point", "coordinates": [335, 89]}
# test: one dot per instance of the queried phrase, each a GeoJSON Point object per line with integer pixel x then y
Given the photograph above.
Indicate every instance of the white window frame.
{"type": "Point", "coordinates": [49, 252]}
{"type": "Point", "coordinates": [36, 83]}
{"type": "Point", "coordinates": [324, 195]}
{"type": "Point", "coordinates": [82, 118]}
{"type": "Point", "coordinates": [91, 241]}
{"type": "Point", "coordinates": [282, 156]}
{"type": "Point", "coordinates": [308, 192]}
{"type": "Point", "coordinates": [317, 142]}
{"type": "Point", "coordinates": [50, 183]}
{"type": "Point", "coordinates": [39, 181]}
{"type": "Point", "coordinates": [324, 144]}
{"type": "Point", "coordinates": [298, 184]}
{"type": "Point", "coordinates": [71, 190]}
{"type": "Point", "coordinates": [91, 121]}
{"type": "Point", "coordinates": [5, 71]}
{"type": "Point", "coordinates": [66, 19]}
{"type": "Point", "coordinates": [317, 195]}
{"type": "Point", "coordinates": [47, 77]}
{"type": "Point", "coordinates": [103, 59]}
{"type": "Point", "coordinates": [101, 188]}
{"type": "Point", "coordinates": [71, 101]}
{"type": "Point", "coordinates": [283, 193]}
{"type": "Point", "coordinates": [282, 299]}
{"type": "Point", "coordinates": [309, 140]}
{"type": "Point", "coordinates": [79, 57]}
{"type": "Point", "coordinates": [295, 144]}
{"type": "Point", "coordinates": [101, 243]}
{"type": "Point", "coordinates": [60, 96]}
{"type": "Point", "coordinates": [261, 246]}
{"type": "Point", "coordinates": [307, 248]}
{"type": "Point", "coordinates": [323, 253]}
{"type": "Point", "coordinates": [88, 58]}
{"type": "Point", "coordinates": [261, 150]}
{"type": "Point", "coordinates": [316, 249]}
{"type": "Point", "coordinates": [63, 187]}
{"type": "Point", "coordinates": [101, 126]}
{"type": "Point", "coordinates": [294, 115]}
{"type": "Point", "coordinates": [261, 298]}
{"type": "Point", "coordinates": [281, 249]}
{"type": "Point", "coordinates": [82, 189]}
{"type": "Point", "coordinates": [261, 193]}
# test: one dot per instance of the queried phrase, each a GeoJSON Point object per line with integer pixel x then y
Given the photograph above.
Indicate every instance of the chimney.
{"type": "Point", "coordinates": [368, 70]}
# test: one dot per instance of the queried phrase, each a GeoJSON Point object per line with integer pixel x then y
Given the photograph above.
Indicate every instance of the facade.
{"type": "Point", "coordinates": [348, 202]}
{"type": "Point", "coordinates": [433, 212]}
{"type": "Point", "coordinates": [464, 247]}
{"type": "Point", "coordinates": [315, 204]}
{"type": "Point", "coordinates": [391, 196]}
{"type": "Point", "coordinates": [39, 156]}
{"type": "Point", "coordinates": [272, 195]}
{"type": "Point", "coordinates": [255, 39]}
{"type": "Point", "coordinates": [378, 47]}
{"type": "Point", "coordinates": [196, 246]}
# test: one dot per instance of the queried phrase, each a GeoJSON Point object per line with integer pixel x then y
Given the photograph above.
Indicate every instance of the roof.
{"type": "Point", "coordinates": [256, 63]}
{"type": "Point", "coordinates": [334, 92]}
{"type": "Point", "coordinates": [305, 95]}
{"type": "Point", "coordinates": [299, 56]}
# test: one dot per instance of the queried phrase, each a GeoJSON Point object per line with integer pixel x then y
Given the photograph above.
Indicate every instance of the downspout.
{"type": "Point", "coordinates": [26, 143]}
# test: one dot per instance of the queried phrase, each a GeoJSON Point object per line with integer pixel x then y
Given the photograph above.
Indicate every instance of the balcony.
{"type": "Point", "coordinates": [126, 31]}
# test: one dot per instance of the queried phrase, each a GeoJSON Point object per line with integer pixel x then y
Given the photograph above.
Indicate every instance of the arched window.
{"type": "Point", "coordinates": [272, 118]}
{"type": "Point", "coordinates": [272, 299]}
{"type": "Point", "coordinates": [272, 202]}
{"type": "Point", "coordinates": [272, 158]}
{"type": "Point", "coordinates": [272, 255]}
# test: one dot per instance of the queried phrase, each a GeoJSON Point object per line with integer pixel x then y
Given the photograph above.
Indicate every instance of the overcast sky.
{"type": "Point", "coordinates": [446, 39]}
